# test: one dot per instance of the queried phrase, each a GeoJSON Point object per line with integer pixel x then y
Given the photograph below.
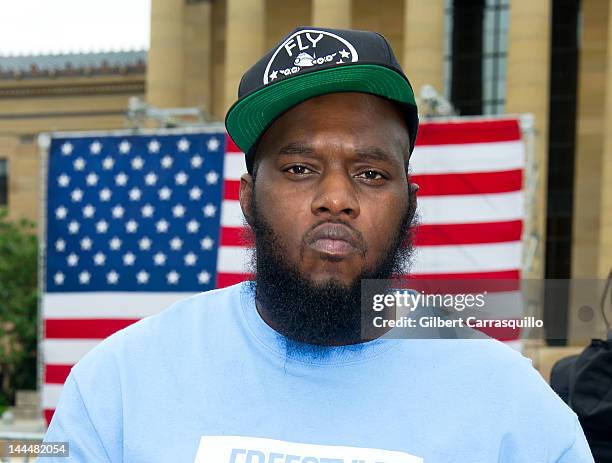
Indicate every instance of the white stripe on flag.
{"type": "Point", "coordinates": [234, 166]}
{"type": "Point", "coordinates": [444, 209]}
{"type": "Point", "coordinates": [67, 351]}
{"type": "Point", "coordinates": [488, 257]}
{"type": "Point", "coordinates": [473, 157]}
{"type": "Point", "coordinates": [457, 209]}
{"type": "Point", "coordinates": [50, 395]}
{"type": "Point", "coordinates": [107, 305]}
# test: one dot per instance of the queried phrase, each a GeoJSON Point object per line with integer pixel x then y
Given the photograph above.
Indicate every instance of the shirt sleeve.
{"type": "Point", "coordinates": [579, 452]}
{"type": "Point", "coordinates": [71, 423]}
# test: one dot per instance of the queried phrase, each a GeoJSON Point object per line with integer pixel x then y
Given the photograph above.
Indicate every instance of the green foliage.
{"type": "Point", "coordinates": [18, 306]}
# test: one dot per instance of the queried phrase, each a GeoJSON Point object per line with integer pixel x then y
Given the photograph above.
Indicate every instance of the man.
{"type": "Point", "coordinates": [276, 370]}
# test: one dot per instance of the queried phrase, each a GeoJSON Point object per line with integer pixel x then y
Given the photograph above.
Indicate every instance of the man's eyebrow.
{"type": "Point", "coordinates": [374, 153]}
{"type": "Point", "coordinates": [296, 148]}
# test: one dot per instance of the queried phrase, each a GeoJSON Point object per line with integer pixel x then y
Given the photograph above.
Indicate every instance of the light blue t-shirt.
{"type": "Point", "coordinates": [208, 380]}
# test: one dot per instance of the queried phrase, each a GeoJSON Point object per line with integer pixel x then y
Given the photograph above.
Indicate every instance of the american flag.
{"type": "Point", "coordinates": [137, 222]}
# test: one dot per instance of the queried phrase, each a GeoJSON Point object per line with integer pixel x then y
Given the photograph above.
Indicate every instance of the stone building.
{"type": "Point", "coordinates": [552, 59]}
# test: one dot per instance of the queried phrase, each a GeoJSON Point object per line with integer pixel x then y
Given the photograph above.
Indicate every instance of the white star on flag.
{"type": "Point", "coordinates": [59, 278]}
{"type": "Point", "coordinates": [153, 146]}
{"type": "Point", "coordinates": [176, 243]}
{"type": "Point", "coordinates": [162, 226]}
{"type": "Point", "coordinates": [196, 161]}
{"type": "Point", "coordinates": [137, 163]}
{"type": "Point", "coordinates": [112, 277]}
{"type": "Point", "coordinates": [142, 277]}
{"type": "Point", "coordinates": [79, 164]}
{"type": "Point", "coordinates": [67, 149]}
{"type": "Point", "coordinates": [147, 210]}
{"type": "Point", "coordinates": [89, 211]}
{"type": "Point", "coordinates": [183, 144]}
{"type": "Point", "coordinates": [151, 179]}
{"type": "Point", "coordinates": [61, 212]}
{"type": "Point", "coordinates": [84, 277]}
{"type": "Point", "coordinates": [166, 162]}
{"type": "Point", "coordinates": [63, 180]}
{"type": "Point", "coordinates": [178, 210]}
{"type": "Point", "coordinates": [60, 245]}
{"type": "Point", "coordinates": [121, 179]}
{"type": "Point", "coordinates": [73, 227]}
{"type": "Point", "coordinates": [173, 277]}
{"type": "Point", "coordinates": [190, 259]}
{"type": "Point", "coordinates": [72, 260]}
{"type": "Point", "coordinates": [213, 144]}
{"type": "Point", "coordinates": [105, 194]}
{"type": "Point", "coordinates": [115, 243]}
{"type": "Point", "coordinates": [124, 147]}
{"type": "Point", "coordinates": [131, 226]}
{"type": "Point", "coordinates": [209, 210]}
{"type": "Point", "coordinates": [159, 258]}
{"type": "Point", "coordinates": [195, 193]}
{"type": "Point", "coordinates": [92, 179]}
{"type": "Point", "coordinates": [108, 163]}
{"type": "Point", "coordinates": [165, 193]}
{"type": "Point", "coordinates": [76, 195]}
{"type": "Point", "coordinates": [86, 243]}
{"type": "Point", "coordinates": [95, 147]}
{"type": "Point", "coordinates": [102, 226]}
{"type": "Point", "coordinates": [144, 243]}
{"type": "Point", "coordinates": [193, 226]}
{"type": "Point", "coordinates": [203, 277]}
{"type": "Point", "coordinates": [118, 211]}
{"type": "Point", "coordinates": [129, 259]}
{"type": "Point", "coordinates": [207, 243]}
{"type": "Point", "coordinates": [99, 258]}
{"type": "Point", "coordinates": [135, 194]}
{"type": "Point", "coordinates": [181, 178]}
{"type": "Point", "coordinates": [212, 177]}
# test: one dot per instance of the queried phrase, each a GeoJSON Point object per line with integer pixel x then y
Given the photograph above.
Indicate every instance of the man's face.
{"type": "Point", "coordinates": [331, 183]}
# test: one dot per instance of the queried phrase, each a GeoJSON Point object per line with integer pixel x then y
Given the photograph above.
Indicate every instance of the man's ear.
{"type": "Point", "coordinates": [246, 197]}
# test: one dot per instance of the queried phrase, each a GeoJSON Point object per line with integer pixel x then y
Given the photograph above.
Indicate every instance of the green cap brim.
{"type": "Point", "coordinates": [250, 116]}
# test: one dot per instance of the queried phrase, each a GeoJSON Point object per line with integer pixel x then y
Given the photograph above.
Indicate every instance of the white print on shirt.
{"type": "Point", "coordinates": [239, 449]}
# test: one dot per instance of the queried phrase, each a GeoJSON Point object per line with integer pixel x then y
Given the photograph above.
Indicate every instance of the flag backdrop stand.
{"type": "Point", "coordinates": [133, 220]}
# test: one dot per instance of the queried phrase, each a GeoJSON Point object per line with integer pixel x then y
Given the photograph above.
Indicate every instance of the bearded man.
{"type": "Point", "coordinates": [276, 369]}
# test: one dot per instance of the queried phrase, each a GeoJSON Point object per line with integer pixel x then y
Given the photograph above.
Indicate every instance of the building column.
{"type": "Point", "coordinates": [592, 220]}
{"type": "Point", "coordinates": [245, 39]}
{"type": "Point", "coordinates": [423, 56]}
{"type": "Point", "coordinates": [331, 13]}
{"type": "Point", "coordinates": [197, 65]}
{"type": "Point", "coordinates": [166, 53]}
{"type": "Point", "coordinates": [528, 91]}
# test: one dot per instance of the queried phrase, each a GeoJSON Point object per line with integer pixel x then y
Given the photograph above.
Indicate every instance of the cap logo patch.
{"type": "Point", "coordinates": [306, 49]}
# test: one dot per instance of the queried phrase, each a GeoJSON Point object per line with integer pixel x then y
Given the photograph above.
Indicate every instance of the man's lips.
{"type": "Point", "coordinates": [334, 239]}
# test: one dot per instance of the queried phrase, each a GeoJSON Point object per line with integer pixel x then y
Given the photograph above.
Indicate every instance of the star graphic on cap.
{"type": "Point", "coordinates": [273, 75]}
{"type": "Point", "coordinates": [344, 53]}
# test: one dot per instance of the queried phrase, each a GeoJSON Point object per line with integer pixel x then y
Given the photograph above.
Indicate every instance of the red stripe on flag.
{"type": "Point", "coordinates": [230, 146]}
{"type": "Point", "coordinates": [84, 328]}
{"type": "Point", "coordinates": [56, 374]}
{"type": "Point", "coordinates": [231, 189]}
{"type": "Point", "coordinates": [468, 233]}
{"type": "Point", "coordinates": [48, 415]}
{"type": "Point", "coordinates": [228, 279]}
{"type": "Point", "coordinates": [236, 236]}
{"type": "Point", "coordinates": [502, 333]}
{"type": "Point", "coordinates": [451, 133]}
{"type": "Point", "coordinates": [476, 183]}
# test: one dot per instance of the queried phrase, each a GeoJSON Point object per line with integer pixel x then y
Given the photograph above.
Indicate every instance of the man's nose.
{"type": "Point", "coordinates": [335, 195]}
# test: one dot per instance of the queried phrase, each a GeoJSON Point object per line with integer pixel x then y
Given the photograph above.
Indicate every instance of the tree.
{"type": "Point", "coordinates": [18, 306]}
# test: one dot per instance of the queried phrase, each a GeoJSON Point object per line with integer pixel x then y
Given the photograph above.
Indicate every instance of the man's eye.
{"type": "Point", "coordinates": [371, 175]}
{"type": "Point", "coordinates": [298, 170]}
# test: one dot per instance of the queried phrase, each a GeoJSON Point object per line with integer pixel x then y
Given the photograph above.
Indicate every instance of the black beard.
{"type": "Point", "coordinates": [312, 316]}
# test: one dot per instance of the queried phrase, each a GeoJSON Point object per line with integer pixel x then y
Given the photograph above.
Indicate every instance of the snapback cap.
{"type": "Point", "coordinates": [310, 62]}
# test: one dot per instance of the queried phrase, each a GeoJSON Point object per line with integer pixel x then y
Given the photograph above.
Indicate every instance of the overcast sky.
{"type": "Point", "coordinates": [59, 26]}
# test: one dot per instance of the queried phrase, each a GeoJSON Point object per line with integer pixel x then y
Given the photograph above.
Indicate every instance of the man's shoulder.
{"type": "Point", "coordinates": [197, 316]}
